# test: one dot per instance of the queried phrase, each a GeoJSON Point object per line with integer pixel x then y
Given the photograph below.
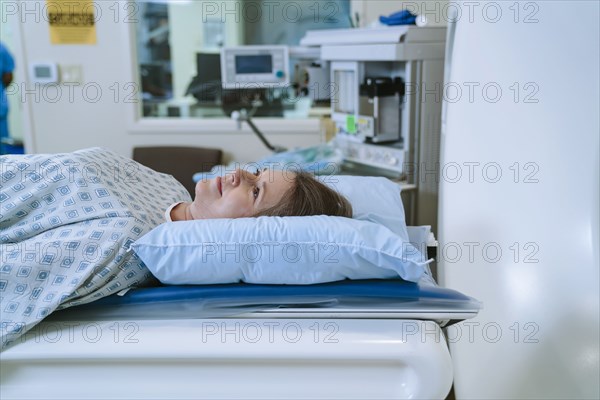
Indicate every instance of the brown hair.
{"type": "Point", "coordinates": [308, 196]}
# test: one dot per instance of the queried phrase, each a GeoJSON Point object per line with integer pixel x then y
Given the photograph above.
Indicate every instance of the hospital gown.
{"type": "Point", "coordinates": [66, 225]}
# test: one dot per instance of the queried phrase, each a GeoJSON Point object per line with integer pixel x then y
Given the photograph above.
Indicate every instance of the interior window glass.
{"type": "Point", "coordinates": [179, 44]}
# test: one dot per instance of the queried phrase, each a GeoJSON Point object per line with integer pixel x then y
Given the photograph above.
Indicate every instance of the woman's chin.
{"type": "Point", "coordinates": [203, 190]}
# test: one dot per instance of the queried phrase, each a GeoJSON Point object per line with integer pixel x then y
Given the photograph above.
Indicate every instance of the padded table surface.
{"type": "Point", "coordinates": [375, 298]}
{"type": "Point", "coordinates": [372, 288]}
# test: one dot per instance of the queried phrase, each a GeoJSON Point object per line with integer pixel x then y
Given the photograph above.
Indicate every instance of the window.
{"type": "Point", "coordinates": [179, 44]}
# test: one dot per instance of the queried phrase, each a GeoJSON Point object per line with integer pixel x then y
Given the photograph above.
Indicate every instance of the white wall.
{"type": "Point", "coordinates": [57, 119]}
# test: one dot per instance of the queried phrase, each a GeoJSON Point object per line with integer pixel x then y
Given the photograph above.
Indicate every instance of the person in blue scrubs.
{"type": "Point", "coordinates": [7, 65]}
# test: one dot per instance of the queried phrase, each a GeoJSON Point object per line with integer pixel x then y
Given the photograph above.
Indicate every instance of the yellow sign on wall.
{"type": "Point", "coordinates": [71, 21]}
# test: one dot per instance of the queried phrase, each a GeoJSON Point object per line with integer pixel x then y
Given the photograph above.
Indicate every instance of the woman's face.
{"type": "Point", "coordinates": [239, 194]}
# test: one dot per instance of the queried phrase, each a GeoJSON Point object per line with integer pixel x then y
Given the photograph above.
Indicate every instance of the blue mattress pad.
{"type": "Point", "coordinates": [390, 297]}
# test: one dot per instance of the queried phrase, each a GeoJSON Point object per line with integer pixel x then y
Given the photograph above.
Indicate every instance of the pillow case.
{"type": "Point", "coordinates": [277, 250]}
{"type": "Point", "coordinates": [374, 199]}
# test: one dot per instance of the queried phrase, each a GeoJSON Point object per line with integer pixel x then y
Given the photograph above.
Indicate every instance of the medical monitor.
{"type": "Point", "coordinates": [255, 66]}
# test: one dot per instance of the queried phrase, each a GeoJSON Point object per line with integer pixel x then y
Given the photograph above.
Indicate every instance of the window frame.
{"type": "Point", "coordinates": [160, 125]}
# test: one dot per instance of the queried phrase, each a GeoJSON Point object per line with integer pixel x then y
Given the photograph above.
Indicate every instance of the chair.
{"type": "Point", "coordinates": [181, 162]}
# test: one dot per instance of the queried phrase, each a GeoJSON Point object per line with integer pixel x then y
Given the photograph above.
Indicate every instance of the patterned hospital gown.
{"type": "Point", "coordinates": [66, 225]}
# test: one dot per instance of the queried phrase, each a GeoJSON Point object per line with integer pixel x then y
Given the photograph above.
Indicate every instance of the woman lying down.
{"type": "Point", "coordinates": [67, 222]}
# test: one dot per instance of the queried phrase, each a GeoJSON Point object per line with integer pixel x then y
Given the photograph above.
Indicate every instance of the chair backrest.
{"type": "Point", "coordinates": [181, 162]}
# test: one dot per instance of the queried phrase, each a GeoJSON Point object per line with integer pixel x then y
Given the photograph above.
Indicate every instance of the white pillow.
{"type": "Point", "coordinates": [374, 199]}
{"type": "Point", "coordinates": [277, 250]}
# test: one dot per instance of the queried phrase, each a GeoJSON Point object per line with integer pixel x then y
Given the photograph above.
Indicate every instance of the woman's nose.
{"type": "Point", "coordinates": [231, 179]}
{"type": "Point", "coordinates": [238, 177]}
{"type": "Point", "coordinates": [235, 177]}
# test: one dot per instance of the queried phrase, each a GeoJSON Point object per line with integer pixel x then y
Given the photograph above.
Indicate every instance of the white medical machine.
{"type": "Point", "coordinates": [255, 66]}
{"type": "Point", "coordinates": [386, 103]}
{"type": "Point", "coordinates": [254, 70]}
{"type": "Point", "coordinates": [533, 194]}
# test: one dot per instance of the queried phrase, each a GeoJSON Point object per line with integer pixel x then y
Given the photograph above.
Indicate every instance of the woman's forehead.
{"type": "Point", "coordinates": [272, 174]}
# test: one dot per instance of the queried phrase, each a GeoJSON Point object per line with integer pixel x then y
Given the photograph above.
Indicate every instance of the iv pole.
{"type": "Point", "coordinates": [244, 116]}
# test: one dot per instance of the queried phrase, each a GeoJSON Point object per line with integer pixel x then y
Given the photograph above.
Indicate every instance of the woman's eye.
{"type": "Point", "coordinates": [255, 192]}
{"type": "Point", "coordinates": [257, 173]}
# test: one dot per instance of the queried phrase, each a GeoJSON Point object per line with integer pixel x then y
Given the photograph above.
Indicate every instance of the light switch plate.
{"type": "Point", "coordinates": [71, 73]}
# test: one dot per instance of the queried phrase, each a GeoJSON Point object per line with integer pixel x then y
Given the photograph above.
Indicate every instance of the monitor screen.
{"type": "Point", "coordinates": [255, 64]}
